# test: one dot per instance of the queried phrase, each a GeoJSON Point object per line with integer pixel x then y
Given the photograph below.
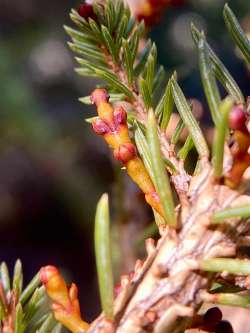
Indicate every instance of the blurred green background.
{"type": "Point", "coordinates": [53, 168]}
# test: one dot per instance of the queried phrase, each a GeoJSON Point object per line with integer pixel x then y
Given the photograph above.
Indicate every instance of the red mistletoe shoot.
{"type": "Point", "coordinates": [65, 303]}
{"type": "Point", "coordinates": [125, 152]}
{"type": "Point", "coordinates": [99, 95]}
{"type": "Point", "coordinates": [86, 10]}
{"type": "Point", "coordinates": [238, 118]}
{"type": "Point", "coordinates": [151, 11]}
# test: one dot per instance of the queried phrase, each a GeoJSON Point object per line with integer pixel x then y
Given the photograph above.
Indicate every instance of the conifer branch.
{"type": "Point", "coordinates": [165, 291]}
{"type": "Point", "coordinates": [123, 77]}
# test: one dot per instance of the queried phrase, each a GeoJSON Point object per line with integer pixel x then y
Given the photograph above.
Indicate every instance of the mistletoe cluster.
{"type": "Point", "coordinates": [202, 216]}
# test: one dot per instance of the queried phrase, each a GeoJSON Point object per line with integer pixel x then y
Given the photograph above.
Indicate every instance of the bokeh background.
{"type": "Point", "coordinates": [53, 168]}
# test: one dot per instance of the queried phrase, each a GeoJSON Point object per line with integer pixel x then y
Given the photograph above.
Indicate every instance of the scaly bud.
{"type": "Point", "coordinates": [48, 272]}
{"type": "Point", "coordinates": [125, 152]}
{"type": "Point", "coordinates": [65, 301]}
{"type": "Point", "coordinates": [112, 124]}
{"type": "Point", "coordinates": [240, 148]}
{"type": "Point", "coordinates": [120, 116]}
{"type": "Point", "coordinates": [98, 96]}
{"type": "Point", "coordinates": [238, 118]}
{"type": "Point", "coordinates": [100, 127]}
{"type": "Point", "coordinates": [86, 10]}
{"type": "Point", "coordinates": [55, 285]}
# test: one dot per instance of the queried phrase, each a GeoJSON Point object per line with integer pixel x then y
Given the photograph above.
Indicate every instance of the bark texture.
{"type": "Point", "coordinates": [165, 291]}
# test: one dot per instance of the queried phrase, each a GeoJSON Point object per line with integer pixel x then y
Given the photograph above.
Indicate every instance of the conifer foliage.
{"type": "Point", "coordinates": [24, 309]}
{"type": "Point", "coordinates": [203, 216]}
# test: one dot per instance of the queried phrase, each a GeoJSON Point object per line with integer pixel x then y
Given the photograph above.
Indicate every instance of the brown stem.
{"type": "Point", "coordinates": [164, 291]}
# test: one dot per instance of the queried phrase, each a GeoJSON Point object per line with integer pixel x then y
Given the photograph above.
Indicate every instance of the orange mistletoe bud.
{"type": "Point", "coordinates": [98, 96]}
{"type": "Point", "coordinates": [55, 285]}
{"type": "Point", "coordinates": [65, 304]}
{"type": "Point", "coordinates": [100, 127]}
{"type": "Point", "coordinates": [112, 125]}
{"type": "Point", "coordinates": [46, 273]}
{"type": "Point", "coordinates": [120, 116]}
{"type": "Point", "coordinates": [125, 152]}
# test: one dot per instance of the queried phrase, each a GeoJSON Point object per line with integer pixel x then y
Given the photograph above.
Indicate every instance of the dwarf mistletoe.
{"type": "Point", "coordinates": [202, 216]}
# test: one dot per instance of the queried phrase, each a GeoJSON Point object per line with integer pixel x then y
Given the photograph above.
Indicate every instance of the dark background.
{"type": "Point", "coordinates": [53, 168]}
